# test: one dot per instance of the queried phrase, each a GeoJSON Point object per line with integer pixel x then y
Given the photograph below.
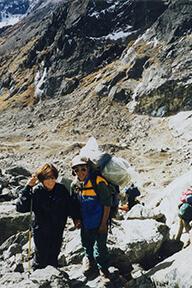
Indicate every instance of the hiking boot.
{"type": "Point", "coordinates": [89, 267]}
{"type": "Point", "coordinates": [106, 276]}
{"type": "Point", "coordinates": [187, 243]}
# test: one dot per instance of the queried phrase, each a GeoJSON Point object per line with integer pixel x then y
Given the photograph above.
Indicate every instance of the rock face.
{"type": "Point", "coordinates": [79, 38]}
{"type": "Point", "coordinates": [170, 267]}
{"type": "Point", "coordinates": [76, 69]}
{"type": "Point", "coordinates": [168, 86]}
{"type": "Point", "coordinates": [139, 241]}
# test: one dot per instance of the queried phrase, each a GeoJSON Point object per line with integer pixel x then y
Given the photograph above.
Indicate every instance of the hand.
{"type": "Point", "coordinates": [78, 224]}
{"type": "Point", "coordinates": [32, 181]}
{"type": "Point", "coordinates": [103, 228]}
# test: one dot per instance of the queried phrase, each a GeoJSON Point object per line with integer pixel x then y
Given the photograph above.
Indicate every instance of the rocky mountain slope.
{"type": "Point", "coordinates": [81, 38]}
{"type": "Point", "coordinates": [119, 71]}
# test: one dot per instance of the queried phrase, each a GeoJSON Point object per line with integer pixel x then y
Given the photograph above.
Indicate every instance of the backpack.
{"type": "Point", "coordinates": [114, 190]}
{"type": "Point", "coordinates": [115, 170]}
{"type": "Point", "coordinates": [185, 194]}
{"type": "Point", "coordinates": [185, 212]}
{"type": "Point", "coordinates": [97, 170]}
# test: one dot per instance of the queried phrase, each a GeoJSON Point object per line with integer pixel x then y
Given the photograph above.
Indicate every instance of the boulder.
{"type": "Point", "coordinates": [20, 238]}
{"type": "Point", "coordinates": [6, 195]}
{"type": "Point", "coordinates": [174, 271]}
{"type": "Point", "coordinates": [119, 94]}
{"type": "Point", "coordinates": [11, 225]}
{"type": "Point", "coordinates": [141, 282]}
{"type": "Point", "coordinates": [18, 170]}
{"type": "Point", "coordinates": [65, 181]}
{"type": "Point", "coordinates": [3, 181]}
{"type": "Point", "coordinates": [143, 212]}
{"type": "Point", "coordinates": [48, 277]}
{"type": "Point", "coordinates": [140, 240]}
{"type": "Point", "coordinates": [12, 250]}
{"type": "Point", "coordinates": [72, 247]}
{"type": "Point", "coordinates": [101, 88]}
{"type": "Point", "coordinates": [68, 85]}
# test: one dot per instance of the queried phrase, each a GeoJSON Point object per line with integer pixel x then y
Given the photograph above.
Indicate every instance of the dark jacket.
{"type": "Point", "coordinates": [50, 209]}
{"type": "Point", "coordinates": [132, 193]}
{"type": "Point", "coordinates": [49, 216]}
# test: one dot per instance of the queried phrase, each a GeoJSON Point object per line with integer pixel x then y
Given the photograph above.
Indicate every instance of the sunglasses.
{"type": "Point", "coordinates": [83, 169]}
{"type": "Point", "coordinates": [49, 177]}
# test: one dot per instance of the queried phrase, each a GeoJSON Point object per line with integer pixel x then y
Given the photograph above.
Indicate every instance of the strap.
{"type": "Point", "coordinates": [80, 189]}
{"type": "Point", "coordinates": [84, 188]}
{"type": "Point", "coordinates": [93, 181]}
{"type": "Point", "coordinates": [94, 184]}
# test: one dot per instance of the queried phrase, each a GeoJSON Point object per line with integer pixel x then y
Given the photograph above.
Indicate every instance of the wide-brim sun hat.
{"type": "Point", "coordinates": [78, 160]}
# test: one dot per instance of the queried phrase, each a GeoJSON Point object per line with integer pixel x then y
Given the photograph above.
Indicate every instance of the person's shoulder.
{"type": "Point", "coordinates": [101, 179]}
{"type": "Point", "coordinates": [61, 187]}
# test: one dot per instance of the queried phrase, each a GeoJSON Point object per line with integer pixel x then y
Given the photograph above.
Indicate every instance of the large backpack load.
{"type": "Point", "coordinates": [116, 171]}
{"type": "Point", "coordinates": [185, 211]}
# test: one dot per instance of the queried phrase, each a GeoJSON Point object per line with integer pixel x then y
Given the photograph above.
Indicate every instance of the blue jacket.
{"type": "Point", "coordinates": [91, 207]}
{"type": "Point", "coordinates": [132, 192]}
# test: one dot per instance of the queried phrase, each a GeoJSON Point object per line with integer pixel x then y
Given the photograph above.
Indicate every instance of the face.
{"type": "Point", "coordinates": [81, 171]}
{"type": "Point", "coordinates": [49, 181]}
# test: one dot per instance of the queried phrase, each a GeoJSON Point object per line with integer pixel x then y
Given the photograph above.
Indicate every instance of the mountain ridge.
{"type": "Point", "coordinates": [72, 73]}
{"type": "Point", "coordinates": [76, 55]}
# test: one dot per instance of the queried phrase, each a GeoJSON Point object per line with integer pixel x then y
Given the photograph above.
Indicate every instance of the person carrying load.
{"type": "Point", "coordinates": [185, 216]}
{"type": "Point", "coordinates": [132, 192]}
{"type": "Point", "coordinates": [95, 209]}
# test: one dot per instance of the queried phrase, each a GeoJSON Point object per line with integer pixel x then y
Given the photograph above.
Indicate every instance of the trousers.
{"type": "Point", "coordinates": [94, 245]}
{"type": "Point", "coordinates": [182, 224]}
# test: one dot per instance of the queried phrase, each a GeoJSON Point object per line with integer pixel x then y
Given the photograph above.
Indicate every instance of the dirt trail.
{"type": "Point", "coordinates": [32, 137]}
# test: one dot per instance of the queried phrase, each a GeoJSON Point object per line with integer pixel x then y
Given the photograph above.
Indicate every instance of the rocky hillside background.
{"type": "Point", "coordinates": [119, 71]}
{"type": "Point", "coordinates": [141, 60]}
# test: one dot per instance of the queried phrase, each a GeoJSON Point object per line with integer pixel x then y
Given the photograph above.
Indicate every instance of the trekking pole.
{"type": "Point", "coordinates": [30, 232]}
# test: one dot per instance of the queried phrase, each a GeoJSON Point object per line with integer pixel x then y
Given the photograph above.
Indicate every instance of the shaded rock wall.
{"type": "Point", "coordinates": [76, 39]}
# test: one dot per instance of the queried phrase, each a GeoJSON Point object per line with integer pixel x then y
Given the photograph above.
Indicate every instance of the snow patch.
{"type": "Point", "coordinates": [9, 19]}
{"type": "Point", "coordinates": [181, 125]}
{"type": "Point", "coordinates": [171, 197]}
{"type": "Point", "coordinates": [38, 83]}
{"type": "Point", "coordinates": [116, 35]}
{"type": "Point", "coordinates": [119, 35]}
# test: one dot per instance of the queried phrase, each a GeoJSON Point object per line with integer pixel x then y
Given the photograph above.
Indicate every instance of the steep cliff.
{"type": "Point", "coordinates": [63, 41]}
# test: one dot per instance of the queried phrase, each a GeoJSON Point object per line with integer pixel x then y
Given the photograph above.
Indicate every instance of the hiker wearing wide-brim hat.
{"type": "Point", "coordinates": [51, 205]}
{"type": "Point", "coordinates": [95, 209]}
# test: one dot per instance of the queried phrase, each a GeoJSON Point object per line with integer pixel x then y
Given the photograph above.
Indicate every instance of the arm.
{"type": "Point", "coordinates": [103, 226]}
{"type": "Point", "coordinates": [106, 202]}
{"type": "Point", "coordinates": [74, 208]}
{"type": "Point", "coordinates": [24, 201]}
